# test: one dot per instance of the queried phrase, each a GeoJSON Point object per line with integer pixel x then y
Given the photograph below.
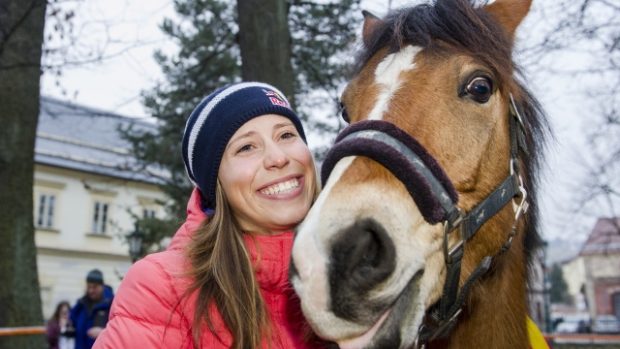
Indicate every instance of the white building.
{"type": "Point", "coordinates": [86, 186]}
{"type": "Point", "coordinates": [574, 273]}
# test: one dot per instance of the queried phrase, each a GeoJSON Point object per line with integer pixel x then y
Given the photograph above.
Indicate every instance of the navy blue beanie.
{"type": "Point", "coordinates": [214, 121]}
{"type": "Point", "coordinates": [95, 276]}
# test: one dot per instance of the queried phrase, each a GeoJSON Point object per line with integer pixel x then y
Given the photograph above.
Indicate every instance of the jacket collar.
{"type": "Point", "coordinates": [195, 217]}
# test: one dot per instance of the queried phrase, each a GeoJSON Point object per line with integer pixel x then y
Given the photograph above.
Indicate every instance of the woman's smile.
{"type": "Point", "coordinates": [283, 189]}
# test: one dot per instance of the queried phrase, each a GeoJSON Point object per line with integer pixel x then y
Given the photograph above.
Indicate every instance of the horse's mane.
{"type": "Point", "coordinates": [459, 26]}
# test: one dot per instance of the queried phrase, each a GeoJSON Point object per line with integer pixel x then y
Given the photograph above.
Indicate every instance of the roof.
{"type": "Point", "coordinates": [604, 238]}
{"type": "Point", "coordinates": [86, 139]}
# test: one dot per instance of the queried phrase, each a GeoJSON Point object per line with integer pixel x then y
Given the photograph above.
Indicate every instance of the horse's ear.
{"type": "Point", "coordinates": [509, 13]}
{"type": "Point", "coordinates": [370, 23]}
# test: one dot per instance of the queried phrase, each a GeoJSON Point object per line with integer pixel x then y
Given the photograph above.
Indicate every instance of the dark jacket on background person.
{"type": "Point", "coordinates": [52, 333]}
{"type": "Point", "coordinates": [83, 318]}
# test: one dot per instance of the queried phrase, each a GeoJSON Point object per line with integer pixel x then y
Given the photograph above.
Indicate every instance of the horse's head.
{"type": "Point", "coordinates": [370, 260]}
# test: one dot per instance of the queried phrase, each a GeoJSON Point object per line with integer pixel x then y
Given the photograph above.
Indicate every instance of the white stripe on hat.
{"type": "Point", "coordinates": [209, 107]}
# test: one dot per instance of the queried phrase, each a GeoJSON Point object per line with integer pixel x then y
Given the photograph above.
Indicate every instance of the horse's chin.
{"type": "Point", "coordinates": [364, 340]}
{"type": "Point", "coordinates": [402, 318]}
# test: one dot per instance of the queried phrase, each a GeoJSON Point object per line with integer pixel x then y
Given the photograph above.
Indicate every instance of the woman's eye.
{"type": "Point", "coordinates": [480, 89]}
{"type": "Point", "coordinates": [343, 113]}
{"type": "Point", "coordinates": [288, 135]}
{"type": "Point", "coordinates": [244, 148]}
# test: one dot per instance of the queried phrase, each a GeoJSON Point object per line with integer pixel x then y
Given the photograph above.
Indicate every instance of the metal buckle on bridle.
{"type": "Point", "coordinates": [519, 208]}
{"type": "Point", "coordinates": [522, 206]}
{"type": "Point", "coordinates": [448, 227]}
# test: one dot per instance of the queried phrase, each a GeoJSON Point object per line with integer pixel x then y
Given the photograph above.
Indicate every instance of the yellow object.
{"type": "Point", "coordinates": [537, 341]}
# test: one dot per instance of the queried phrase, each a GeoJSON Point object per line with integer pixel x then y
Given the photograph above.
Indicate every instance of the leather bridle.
{"type": "Point", "coordinates": [402, 155]}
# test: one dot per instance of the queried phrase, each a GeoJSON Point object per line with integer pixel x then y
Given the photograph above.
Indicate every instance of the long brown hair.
{"type": "Point", "coordinates": [56, 316]}
{"type": "Point", "coordinates": [223, 275]}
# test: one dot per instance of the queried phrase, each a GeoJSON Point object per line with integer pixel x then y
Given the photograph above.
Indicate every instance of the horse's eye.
{"type": "Point", "coordinates": [480, 89]}
{"type": "Point", "coordinates": [343, 113]}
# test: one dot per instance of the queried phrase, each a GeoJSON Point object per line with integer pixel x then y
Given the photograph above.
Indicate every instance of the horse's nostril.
{"type": "Point", "coordinates": [367, 250]}
{"type": "Point", "coordinates": [363, 255]}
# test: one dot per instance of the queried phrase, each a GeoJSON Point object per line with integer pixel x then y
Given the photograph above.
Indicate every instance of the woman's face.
{"type": "Point", "coordinates": [64, 312]}
{"type": "Point", "coordinates": [267, 174]}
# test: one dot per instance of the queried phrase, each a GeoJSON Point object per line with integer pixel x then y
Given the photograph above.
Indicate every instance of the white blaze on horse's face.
{"type": "Point", "coordinates": [387, 78]}
{"type": "Point", "coordinates": [343, 213]}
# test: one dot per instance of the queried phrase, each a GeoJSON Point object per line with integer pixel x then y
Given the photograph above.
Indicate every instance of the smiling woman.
{"type": "Point", "coordinates": [222, 283]}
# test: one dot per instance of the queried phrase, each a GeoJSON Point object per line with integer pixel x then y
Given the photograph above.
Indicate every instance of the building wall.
{"type": "Point", "coordinates": [574, 273]}
{"type": "Point", "coordinates": [604, 289]}
{"type": "Point", "coordinates": [603, 279]}
{"type": "Point", "coordinates": [70, 248]}
{"type": "Point", "coordinates": [604, 265]}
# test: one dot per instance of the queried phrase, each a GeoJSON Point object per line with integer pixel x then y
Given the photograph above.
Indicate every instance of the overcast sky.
{"type": "Point", "coordinates": [127, 33]}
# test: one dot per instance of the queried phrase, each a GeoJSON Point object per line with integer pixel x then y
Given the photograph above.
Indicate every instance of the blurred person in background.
{"type": "Point", "coordinates": [59, 330]}
{"type": "Point", "coordinates": [90, 313]}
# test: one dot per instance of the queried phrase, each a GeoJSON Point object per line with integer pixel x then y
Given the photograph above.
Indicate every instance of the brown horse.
{"type": "Point", "coordinates": [421, 235]}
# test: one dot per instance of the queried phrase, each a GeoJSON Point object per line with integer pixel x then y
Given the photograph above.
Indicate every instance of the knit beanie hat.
{"type": "Point", "coordinates": [95, 276]}
{"type": "Point", "coordinates": [214, 121]}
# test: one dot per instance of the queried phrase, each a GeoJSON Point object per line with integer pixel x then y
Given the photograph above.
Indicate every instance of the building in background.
{"type": "Point", "coordinates": [601, 261]}
{"type": "Point", "coordinates": [592, 276]}
{"type": "Point", "coordinates": [87, 186]}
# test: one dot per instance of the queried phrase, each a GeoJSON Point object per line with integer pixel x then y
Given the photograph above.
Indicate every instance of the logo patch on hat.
{"type": "Point", "coordinates": [276, 98]}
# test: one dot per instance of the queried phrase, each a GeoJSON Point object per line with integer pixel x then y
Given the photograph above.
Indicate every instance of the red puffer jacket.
{"type": "Point", "coordinates": [149, 310]}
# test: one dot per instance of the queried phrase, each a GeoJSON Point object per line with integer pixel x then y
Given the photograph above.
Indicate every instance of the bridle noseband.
{"type": "Point", "coordinates": [436, 198]}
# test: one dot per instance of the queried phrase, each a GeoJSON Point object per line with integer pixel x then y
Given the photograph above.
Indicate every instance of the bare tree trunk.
{"type": "Point", "coordinates": [21, 38]}
{"type": "Point", "coordinates": [265, 42]}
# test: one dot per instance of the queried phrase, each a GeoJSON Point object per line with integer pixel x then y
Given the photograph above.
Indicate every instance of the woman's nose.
{"type": "Point", "coordinates": [275, 157]}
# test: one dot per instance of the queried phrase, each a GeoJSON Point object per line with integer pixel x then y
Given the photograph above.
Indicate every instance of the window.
{"type": "Point", "coordinates": [102, 208]}
{"type": "Point", "coordinates": [100, 217]}
{"type": "Point", "coordinates": [47, 199]}
{"type": "Point", "coordinates": [148, 213]}
{"type": "Point", "coordinates": [149, 207]}
{"type": "Point", "coordinates": [45, 211]}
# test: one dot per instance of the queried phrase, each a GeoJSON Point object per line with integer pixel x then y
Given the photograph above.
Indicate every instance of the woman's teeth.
{"type": "Point", "coordinates": [281, 188]}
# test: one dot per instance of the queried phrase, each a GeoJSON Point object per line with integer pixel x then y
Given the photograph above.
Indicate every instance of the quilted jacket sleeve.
{"type": "Point", "coordinates": [145, 312]}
